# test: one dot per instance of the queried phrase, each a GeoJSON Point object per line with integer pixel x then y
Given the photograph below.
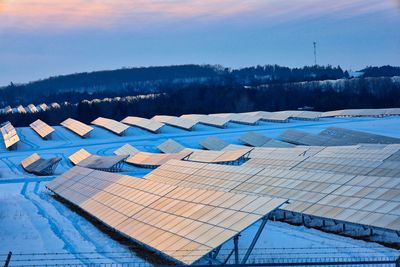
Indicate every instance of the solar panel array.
{"type": "Point", "coordinates": [149, 125]}
{"type": "Point", "coordinates": [153, 160]}
{"type": "Point", "coordinates": [334, 136]}
{"type": "Point", "coordinates": [126, 149]}
{"type": "Point", "coordinates": [10, 136]}
{"type": "Point", "coordinates": [221, 157]}
{"type": "Point", "coordinates": [41, 128]}
{"type": "Point", "coordinates": [362, 112]}
{"type": "Point", "coordinates": [185, 224]}
{"type": "Point", "coordinates": [207, 120]}
{"type": "Point", "coordinates": [77, 127]}
{"type": "Point", "coordinates": [259, 140]}
{"type": "Point", "coordinates": [111, 125]}
{"type": "Point", "coordinates": [213, 143]}
{"type": "Point", "coordinates": [182, 123]}
{"type": "Point", "coordinates": [39, 166]}
{"type": "Point", "coordinates": [349, 184]}
{"type": "Point", "coordinates": [170, 146]}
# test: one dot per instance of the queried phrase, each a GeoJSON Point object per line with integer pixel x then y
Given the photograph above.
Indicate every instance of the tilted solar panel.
{"type": "Point", "coordinates": [41, 128]}
{"type": "Point", "coordinates": [111, 125]}
{"type": "Point", "coordinates": [77, 127]}
{"type": "Point", "coordinates": [184, 224]}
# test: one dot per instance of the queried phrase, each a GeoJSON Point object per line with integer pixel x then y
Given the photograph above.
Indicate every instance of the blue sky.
{"type": "Point", "coordinates": [41, 38]}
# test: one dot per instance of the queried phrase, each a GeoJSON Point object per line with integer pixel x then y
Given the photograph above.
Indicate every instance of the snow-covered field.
{"type": "Point", "coordinates": [33, 221]}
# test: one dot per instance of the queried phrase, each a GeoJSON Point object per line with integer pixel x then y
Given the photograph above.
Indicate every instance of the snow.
{"type": "Point", "coordinates": [33, 221]}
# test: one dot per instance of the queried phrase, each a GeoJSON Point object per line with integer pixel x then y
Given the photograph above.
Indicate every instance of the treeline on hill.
{"type": "Point", "coordinates": [232, 97]}
{"type": "Point", "coordinates": [133, 81]}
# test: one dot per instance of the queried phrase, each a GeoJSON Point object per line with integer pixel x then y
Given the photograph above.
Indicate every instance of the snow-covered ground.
{"type": "Point", "coordinates": [33, 221]}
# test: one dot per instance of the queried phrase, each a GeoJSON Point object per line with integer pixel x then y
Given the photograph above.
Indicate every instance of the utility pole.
{"type": "Point", "coordinates": [315, 53]}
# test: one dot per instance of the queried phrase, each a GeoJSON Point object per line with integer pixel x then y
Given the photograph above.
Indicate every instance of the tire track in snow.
{"type": "Point", "coordinates": [68, 245]}
{"type": "Point", "coordinates": [26, 141]}
{"type": "Point", "coordinates": [11, 166]}
{"type": "Point", "coordinates": [98, 247]}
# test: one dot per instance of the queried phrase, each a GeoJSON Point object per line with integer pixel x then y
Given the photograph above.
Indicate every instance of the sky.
{"type": "Point", "coordinates": [42, 38]}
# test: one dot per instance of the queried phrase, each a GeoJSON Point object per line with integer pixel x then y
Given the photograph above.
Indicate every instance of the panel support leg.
{"type": "Point", "coordinates": [9, 259]}
{"type": "Point", "coordinates": [236, 248]}
{"type": "Point", "coordinates": [255, 239]}
{"type": "Point", "coordinates": [216, 252]}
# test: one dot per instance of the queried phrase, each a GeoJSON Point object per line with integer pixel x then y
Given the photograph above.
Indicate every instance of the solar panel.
{"type": "Point", "coordinates": [149, 125]}
{"type": "Point", "coordinates": [254, 139]}
{"type": "Point", "coordinates": [207, 120]}
{"type": "Point", "coordinates": [43, 107]}
{"type": "Point", "coordinates": [32, 108]}
{"type": "Point", "coordinates": [104, 163]}
{"type": "Point", "coordinates": [111, 125]}
{"type": "Point", "coordinates": [10, 136]}
{"type": "Point", "coordinates": [182, 123]}
{"type": "Point", "coordinates": [77, 127]}
{"type": "Point", "coordinates": [29, 160]}
{"type": "Point", "coordinates": [78, 156]}
{"type": "Point", "coordinates": [39, 166]}
{"type": "Point", "coordinates": [233, 147]}
{"type": "Point", "coordinates": [170, 146]}
{"type": "Point", "coordinates": [307, 115]}
{"type": "Point", "coordinates": [126, 149]}
{"type": "Point", "coordinates": [293, 136]}
{"type": "Point", "coordinates": [21, 109]}
{"type": "Point", "coordinates": [241, 118]}
{"type": "Point", "coordinates": [55, 105]}
{"type": "Point", "coordinates": [42, 128]}
{"type": "Point", "coordinates": [184, 224]}
{"type": "Point", "coordinates": [153, 160]}
{"type": "Point", "coordinates": [259, 140]}
{"type": "Point", "coordinates": [276, 117]}
{"type": "Point", "coordinates": [213, 143]}
{"type": "Point", "coordinates": [222, 157]}
{"type": "Point", "coordinates": [8, 110]}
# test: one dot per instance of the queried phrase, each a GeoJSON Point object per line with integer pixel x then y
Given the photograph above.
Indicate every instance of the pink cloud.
{"type": "Point", "coordinates": [28, 14]}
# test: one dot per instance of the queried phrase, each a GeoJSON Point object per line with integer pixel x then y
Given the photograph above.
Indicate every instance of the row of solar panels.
{"type": "Point", "coordinates": [183, 224]}
{"type": "Point", "coordinates": [332, 136]}
{"type": "Point", "coordinates": [219, 150]}
{"type": "Point", "coordinates": [31, 108]}
{"type": "Point", "coordinates": [161, 211]}
{"type": "Point", "coordinates": [128, 154]}
{"type": "Point", "coordinates": [187, 122]}
{"type": "Point", "coordinates": [246, 117]}
{"type": "Point", "coordinates": [358, 184]}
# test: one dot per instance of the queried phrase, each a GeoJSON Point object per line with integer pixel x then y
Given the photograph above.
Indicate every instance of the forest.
{"type": "Point", "coordinates": [230, 96]}
{"type": "Point", "coordinates": [132, 81]}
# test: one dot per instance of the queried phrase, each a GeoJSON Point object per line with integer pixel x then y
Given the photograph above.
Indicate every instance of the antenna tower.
{"type": "Point", "coordinates": [315, 53]}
